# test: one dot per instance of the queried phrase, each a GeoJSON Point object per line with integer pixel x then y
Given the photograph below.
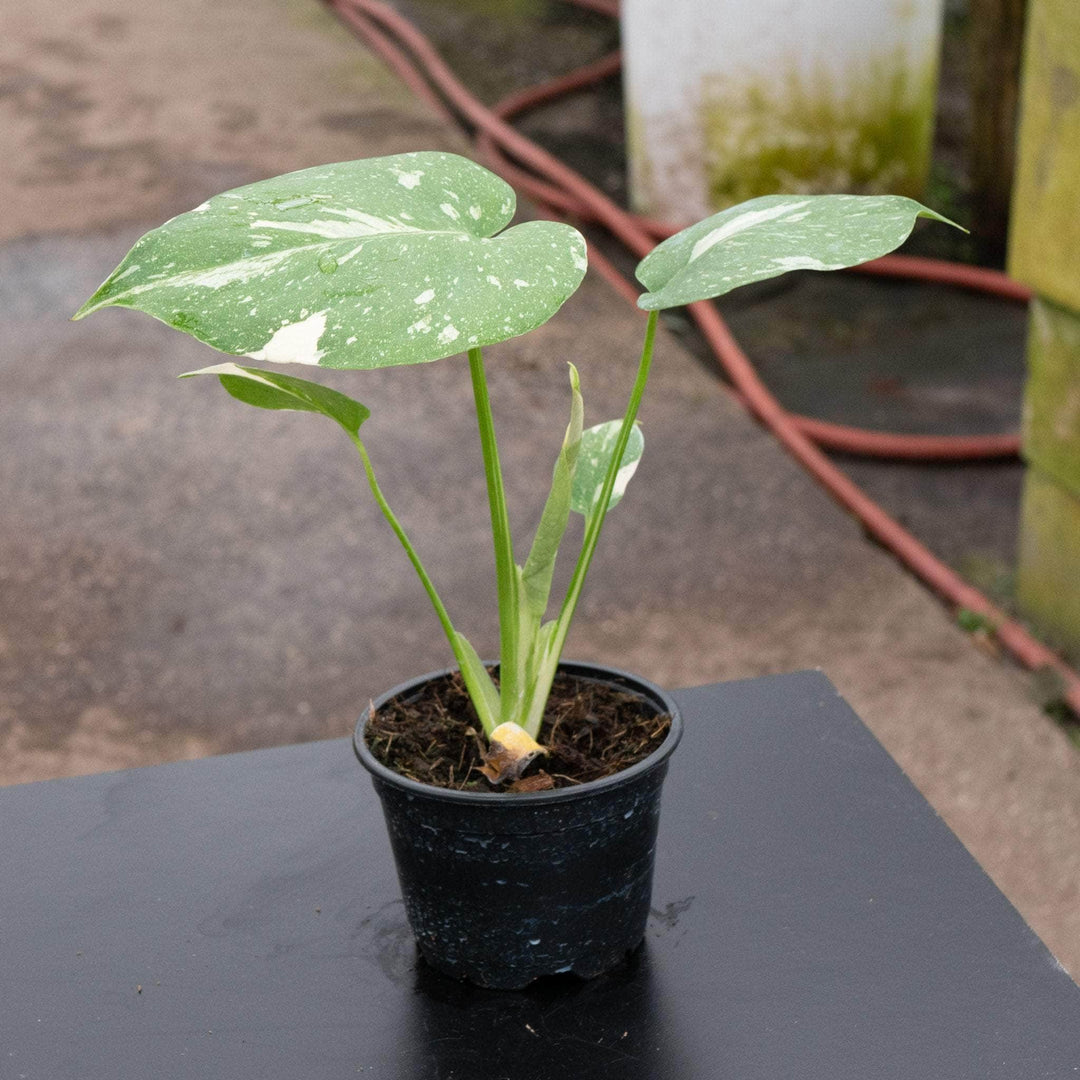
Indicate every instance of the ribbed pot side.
{"type": "Point", "coordinates": [502, 889]}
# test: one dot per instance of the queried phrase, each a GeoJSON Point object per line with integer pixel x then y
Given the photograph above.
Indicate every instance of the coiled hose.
{"type": "Point", "coordinates": [558, 190]}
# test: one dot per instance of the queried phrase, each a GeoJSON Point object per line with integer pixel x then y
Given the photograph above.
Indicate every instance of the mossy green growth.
{"type": "Point", "coordinates": [1051, 434]}
{"type": "Point", "coordinates": [869, 132]}
{"type": "Point", "coordinates": [1049, 562]}
{"type": "Point", "coordinates": [1044, 233]}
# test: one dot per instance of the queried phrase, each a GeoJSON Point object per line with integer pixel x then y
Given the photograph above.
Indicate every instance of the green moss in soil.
{"type": "Point", "coordinates": [590, 730]}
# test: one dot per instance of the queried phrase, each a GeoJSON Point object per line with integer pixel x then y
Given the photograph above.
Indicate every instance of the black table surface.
{"type": "Point", "coordinates": [238, 917]}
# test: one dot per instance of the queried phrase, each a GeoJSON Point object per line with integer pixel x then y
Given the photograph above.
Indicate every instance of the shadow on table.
{"type": "Point", "coordinates": [616, 1025]}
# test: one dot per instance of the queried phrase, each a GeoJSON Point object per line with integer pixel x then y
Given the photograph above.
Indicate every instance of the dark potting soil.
{"type": "Point", "coordinates": [590, 730]}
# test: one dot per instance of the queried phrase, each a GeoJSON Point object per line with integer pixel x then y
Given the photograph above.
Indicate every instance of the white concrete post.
{"type": "Point", "coordinates": [728, 99]}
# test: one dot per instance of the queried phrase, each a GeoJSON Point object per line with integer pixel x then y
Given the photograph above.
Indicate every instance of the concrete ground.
{"type": "Point", "coordinates": [180, 576]}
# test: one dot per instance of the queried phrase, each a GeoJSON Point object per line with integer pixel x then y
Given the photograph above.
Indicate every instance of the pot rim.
{"type": "Point", "coordinates": [582, 669]}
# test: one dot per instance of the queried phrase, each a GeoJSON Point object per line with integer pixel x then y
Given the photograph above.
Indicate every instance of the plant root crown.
{"type": "Point", "coordinates": [590, 730]}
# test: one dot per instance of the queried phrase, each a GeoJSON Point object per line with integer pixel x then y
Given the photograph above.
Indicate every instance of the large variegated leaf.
{"type": "Point", "coordinates": [594, 458]}
{"type": "Point", "coordinates": [769, 236]}
{"type": "Point", "coordinates": [273, 390]}
{"type": "Point", "coordinates": [363, 264]}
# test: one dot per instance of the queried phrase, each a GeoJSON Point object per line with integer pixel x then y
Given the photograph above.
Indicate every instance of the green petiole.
{"type": "Point", "coordinates": [473, 672]}
{"type": "Point", "coordinates": [510, 660]}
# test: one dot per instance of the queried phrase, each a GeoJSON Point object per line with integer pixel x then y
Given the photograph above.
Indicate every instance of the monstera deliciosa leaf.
{"type": "Point", "coordinates": [362, 264]}
{"type": "Point", "coordinates": [769, 236]}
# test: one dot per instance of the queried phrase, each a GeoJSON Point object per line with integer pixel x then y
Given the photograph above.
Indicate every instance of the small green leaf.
{"type": "Point", "coordinates": [594, 457]}
{"type": "Point", "coordinates": [362, 264]}
{"type": "Point", "coordinates": [769, 236]}
{"type": "Point", "coordinates": [271, 390]}
{"type": "Point", "coordinates": [540, 565]}
{"type": "Point", "coordinates": [974, 622]}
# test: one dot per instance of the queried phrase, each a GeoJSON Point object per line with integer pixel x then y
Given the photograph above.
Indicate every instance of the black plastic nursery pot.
{"type": "Point", "coordinates": [501, 889]}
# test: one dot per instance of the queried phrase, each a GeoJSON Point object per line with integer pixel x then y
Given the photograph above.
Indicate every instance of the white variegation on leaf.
{"type": "Point", "coordinates": [594, 459]}
{"type": "Point", "coordinates": [769, 236]}
{"type": "Point", "coordinates": [362, 264]}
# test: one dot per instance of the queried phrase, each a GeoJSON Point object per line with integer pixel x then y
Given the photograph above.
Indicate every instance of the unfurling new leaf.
{"type": "Point", "coordinates": [540, 565]}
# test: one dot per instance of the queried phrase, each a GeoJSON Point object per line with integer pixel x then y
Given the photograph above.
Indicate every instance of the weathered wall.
{"type": "Point", "coordinates": [727, 101]}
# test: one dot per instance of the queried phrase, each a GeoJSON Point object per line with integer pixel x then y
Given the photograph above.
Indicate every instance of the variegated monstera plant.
{"type": "Point", "coordinates": [407, 259]}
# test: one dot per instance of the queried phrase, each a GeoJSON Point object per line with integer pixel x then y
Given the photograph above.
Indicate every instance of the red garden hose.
{"type": "Point", "coordinates": [560, 190]}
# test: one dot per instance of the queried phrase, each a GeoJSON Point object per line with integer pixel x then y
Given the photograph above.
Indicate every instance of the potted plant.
{"type": "Point", "coordinates": [405, 260]}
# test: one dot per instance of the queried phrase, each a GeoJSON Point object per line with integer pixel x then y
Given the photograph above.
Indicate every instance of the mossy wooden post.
{"type": "Point", "coordinates": [728, 100]}
{"type": "Point", "coordinates": [1045, 240]}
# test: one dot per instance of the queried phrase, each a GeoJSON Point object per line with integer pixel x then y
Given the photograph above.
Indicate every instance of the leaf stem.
{"type": "Point", "coordinates": [481, 689]}
{"type": "Point", "coordinates": [595, 521]}
{"type": "Point", "coordinates": [509, 675]}
{"type": "Point", "coordinates": [414, 558]}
